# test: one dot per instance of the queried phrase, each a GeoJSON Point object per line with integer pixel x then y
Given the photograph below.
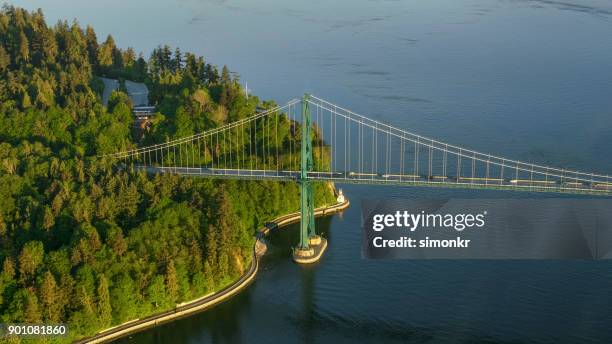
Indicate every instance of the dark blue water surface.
{"type": "Point", "coordinates": [530, 80]}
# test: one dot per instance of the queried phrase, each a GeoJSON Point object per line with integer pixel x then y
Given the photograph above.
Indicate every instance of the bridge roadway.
{"type": "Point", "coordinates": [396, 179]}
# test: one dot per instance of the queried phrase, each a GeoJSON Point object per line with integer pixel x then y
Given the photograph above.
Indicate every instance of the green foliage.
{"type": "Point", "coordinates": [30, 259]}
{"type": "Point", "coordinates": [84, 240]}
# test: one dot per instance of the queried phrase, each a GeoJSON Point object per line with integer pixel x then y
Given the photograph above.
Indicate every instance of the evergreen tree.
{"type": "Point", "coordinates": [30, 259]}
{"type": "Point", "coordinates": [24, 48]}
{"type": "Point", "coordinates": [5, 59]}
{"type": "Point", "coordinates": [8, 268]}
{"type": "Point", "coordinates": [106, 52]}
{"type": "Point", "coordinates": [49, 298]}
{"type": "Point", "coordinates": [225, 76]}
{"type": "Point", "coordinates": [172, 286]}
{"type": "Point", "coordinates": [104, 303]}
{"type": "Point", "coordinates": [123, 299]}
{"type": "Point", "coordinates": [212, 249]}
{"type": "Point", "coordinates": [178, 60]}
{"type": "Point", "coordinates": [32, 311]}
{"type": "Point", "coordinates": [92, 46]}
{"type": "Point", "coordinates": [209, 280]}
{"type": "Point", "coordinates": [25, 101]}
{"type": "Point", "coordinates": [156, 292]}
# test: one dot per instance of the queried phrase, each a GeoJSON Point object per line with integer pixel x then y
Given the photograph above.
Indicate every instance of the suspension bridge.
{"type": "Point", "coordinates": [311, 139]}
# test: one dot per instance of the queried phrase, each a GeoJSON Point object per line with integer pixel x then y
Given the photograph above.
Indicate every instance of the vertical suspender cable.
{"type": "Point", "coordinates": [516, 174]}
{"type": "Point", "coordinates": [445, 162]}
{"type": "Point", "coordinates": [322, 136]}
{"type": "Point", "coordinates": [401, 169]}
{"type": "Point", "coordinates": [430, 175]}
{"type": "Point", "coordinates": [350, 157]}
{"type": "Point", "coordinates": [372, 153]}
{"type": "Point", "coordinates": [459, 166]}
{"type": "Point", "coordinates": [416, 160]}
{"type": "Point", "coordinates": [276, 136]}
{"type": "Point", "coordinates": [375, 162]}
{"type": "Point", "coordinates": [473, 167]}
{"type": "Point", "coordinates": [186, 156]}
{"type": "Point", "coordinates": [292, 142]}
{"type": "Point", "coordinates": [230, 146]}
{"type": "Point", "coordinates": [345, 146]}
{"type": "Point", "coordinates": [263, 141]}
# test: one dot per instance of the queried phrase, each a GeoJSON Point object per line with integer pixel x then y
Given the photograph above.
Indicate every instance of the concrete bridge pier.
{"type": "Point", "coordinates": [311, 246]}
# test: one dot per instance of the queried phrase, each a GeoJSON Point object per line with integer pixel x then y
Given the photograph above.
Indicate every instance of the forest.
{"type": "Point", "coordinates": [85, 242]}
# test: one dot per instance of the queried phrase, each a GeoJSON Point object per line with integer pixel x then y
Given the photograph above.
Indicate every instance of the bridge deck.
{"type": "Point", "coordinates": [397, 180]}
{"type": "Point", "coordinates": [348, 144]}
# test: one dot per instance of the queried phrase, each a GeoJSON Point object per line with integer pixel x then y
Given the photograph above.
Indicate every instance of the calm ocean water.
{"type": "Point", "coordinates": [530, 80]}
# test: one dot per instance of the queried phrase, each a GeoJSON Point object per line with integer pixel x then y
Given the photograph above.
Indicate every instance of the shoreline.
{"type": "Point", "coordinates": [207, 301]}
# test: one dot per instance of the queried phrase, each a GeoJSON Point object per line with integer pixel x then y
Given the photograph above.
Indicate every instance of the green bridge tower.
{"type": "Point", "coordinates": [309, 240]}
